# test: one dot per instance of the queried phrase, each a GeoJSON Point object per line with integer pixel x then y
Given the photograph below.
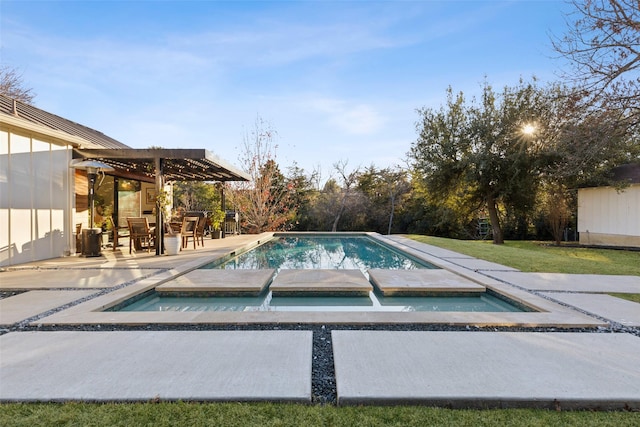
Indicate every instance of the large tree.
{"type": "Point", "coordinates": [266, 201]}
{"type": "Point", "coordinates": [303, 193]}
{"type": "Point", "coordinates": [12, 85]}
{"type": "Point", "coordinates": [485, 148]}
{"type": "Point", "coordinates": [602, 44]}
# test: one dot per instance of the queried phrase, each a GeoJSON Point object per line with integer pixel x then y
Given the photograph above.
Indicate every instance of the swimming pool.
{"type": "Point", "coordinates": [307, 256]}
{"type": "Point", "coordinates": [321, 252]}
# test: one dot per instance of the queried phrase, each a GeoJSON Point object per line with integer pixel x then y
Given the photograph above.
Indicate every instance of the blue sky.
{"type": "Point", "coordinates": [337, 80]}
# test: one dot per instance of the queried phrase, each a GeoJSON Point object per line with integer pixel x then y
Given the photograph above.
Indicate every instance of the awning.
{"type": "Point", "coordinates": [178, 164]}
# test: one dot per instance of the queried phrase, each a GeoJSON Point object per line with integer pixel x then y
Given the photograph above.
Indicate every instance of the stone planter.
{"type": "Point", "coordinates": [172, 243]}
{"type": "Point", "coordinates": [216, 234]}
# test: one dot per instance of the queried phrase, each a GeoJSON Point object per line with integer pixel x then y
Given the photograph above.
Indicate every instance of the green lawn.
{"type": "Point", "coordinates": [544, 257]}
{"type": "Point", "coordinates": [267, 414]}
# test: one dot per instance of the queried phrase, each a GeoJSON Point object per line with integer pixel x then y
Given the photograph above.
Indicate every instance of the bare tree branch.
{"type": "Point", "coordinates": [11, 85]}
{"type": "Point", "coordinates": [602, 43]}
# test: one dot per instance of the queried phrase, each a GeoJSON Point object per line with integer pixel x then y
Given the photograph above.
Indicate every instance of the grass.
{"type": "Point", "coordinates": [630, 297]}
{"type": "Point", "coordinates": [270, 414]}
{"type": "Point", "coordinates": [525, 256]}
{"type": "Point", "coordinates": [542, 257]}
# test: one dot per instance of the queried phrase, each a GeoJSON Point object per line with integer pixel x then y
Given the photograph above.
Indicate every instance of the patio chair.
{"type": "Point", "coordinates": [202, 223]}
{"type": "Point", "coordinates": [140, 234]}
{"type": "Point", "coordinates": [189, 225]}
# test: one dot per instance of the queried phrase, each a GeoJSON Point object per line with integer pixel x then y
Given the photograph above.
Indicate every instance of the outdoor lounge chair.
{"type": "Point", "coordinates": [189, 225]}
{"type": "Point", "coordinates": [140, 234]}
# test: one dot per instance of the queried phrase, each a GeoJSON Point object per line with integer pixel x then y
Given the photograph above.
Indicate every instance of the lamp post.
{"type": "Point", "coordinates": [93, 167]}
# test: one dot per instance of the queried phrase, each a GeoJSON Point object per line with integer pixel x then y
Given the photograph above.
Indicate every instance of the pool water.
{"type": "Point", "coordinates": [322, 252]}
{"type": "Point", "coordinates": [374, 302]}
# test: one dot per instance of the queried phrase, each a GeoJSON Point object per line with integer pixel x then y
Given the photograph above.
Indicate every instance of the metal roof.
{"type": "Point", "coordinates": [629, 173]}
{"type": "Point", "coordinates": [32, 114]}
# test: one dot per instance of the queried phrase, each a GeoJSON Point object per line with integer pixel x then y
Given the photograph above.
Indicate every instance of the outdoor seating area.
{"type": "Point", "coordinates": [193, 225]}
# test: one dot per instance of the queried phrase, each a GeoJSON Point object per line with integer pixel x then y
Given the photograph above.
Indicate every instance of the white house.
{"type": "Point", "coordinates": [43, 199]}
{"type": "Point", "coordinates": [611, 217]}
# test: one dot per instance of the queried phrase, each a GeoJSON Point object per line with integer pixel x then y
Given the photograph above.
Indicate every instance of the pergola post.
{"type": "Point", "coordinates": [158, 162]}
{"type": "Point", "coordinates": [223, 200]}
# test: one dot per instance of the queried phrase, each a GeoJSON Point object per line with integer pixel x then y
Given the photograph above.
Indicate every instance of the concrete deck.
{"type": "Point", "coordinates": [592, 283]}
{"type": "Point", "coordinates": [28, 304]}
{"type": "Point", "coordinates": [459, 369]}
{"type": "Point", "coordinates": [165, 365]}
{"type": "Point", "coordinates": [622, 311]}
{"type": "Point", "coordinates": [473, 369]}
{"type": "Point", "coordinates": [71, 278]}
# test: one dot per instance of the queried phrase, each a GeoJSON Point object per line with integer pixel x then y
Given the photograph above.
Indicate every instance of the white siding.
{"type": "Point", "coordinates": [34, 201]}
{"type": "Point", "coordinates": [604, 210]}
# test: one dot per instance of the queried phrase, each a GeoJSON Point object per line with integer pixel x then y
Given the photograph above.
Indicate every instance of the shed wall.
{"type": "Point", "coordinates": [35, 199]}
{"type": "Point", "coordinates": [609, 217]}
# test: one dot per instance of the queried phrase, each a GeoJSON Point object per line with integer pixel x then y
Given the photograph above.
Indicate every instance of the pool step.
{"type": "Point", "coordinates": [320, 283]}
{"type": "Point", "coordinates": [422, 282]}
{"type": "Point", "coordinates": [215, 282]}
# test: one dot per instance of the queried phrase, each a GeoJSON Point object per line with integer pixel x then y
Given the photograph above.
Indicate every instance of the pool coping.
{"type": "Point", "coordinates": [549, 314]}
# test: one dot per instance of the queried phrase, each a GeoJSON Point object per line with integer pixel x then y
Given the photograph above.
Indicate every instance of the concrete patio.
{"type": "Point", "coordinates": [55, 346]}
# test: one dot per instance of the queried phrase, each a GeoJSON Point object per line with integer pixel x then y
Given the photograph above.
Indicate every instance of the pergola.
{"type": "Point", "coordinates": [160, 165]}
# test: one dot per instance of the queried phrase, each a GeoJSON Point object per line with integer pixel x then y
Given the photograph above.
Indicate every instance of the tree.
{"type": "Point", "coordinates": [348, 180]}
{"type": "Point", "coordinates": [588, 145]}
{"type": "Point", "coordinates": [453, 215]}
{"type": "Point", "coordinates": [265, 201]}
{"type": "Point", "coordinates": [11, 85]}
{"type": "Point", "coordinates": [395, 185]}
{"type": "Point", "coordinates": [383, 189]}
{"type": "Point", "coordinates": [602, 43]}
{"type": "Point", "coordinates": [197, 195]}
{"type": "Point", "coordinates": [322, 207]}
{"type": "Point", "coordinates": [480, 148]}
{"type": "Point", "coordinates": [303, 193]}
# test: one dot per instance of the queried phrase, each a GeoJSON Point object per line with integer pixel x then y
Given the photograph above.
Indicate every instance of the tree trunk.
{"type": "Point", "coordinates": [393, 207]}
{"type": "Point", "coordinates": [335, 221]}
{"type": "Point", "coordinates": [498, 239]}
